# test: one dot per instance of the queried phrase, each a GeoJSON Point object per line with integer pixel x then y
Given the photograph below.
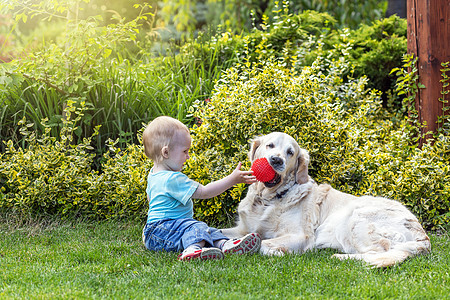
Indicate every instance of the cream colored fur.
{"type": "Point", "coordinates": [296, 214]}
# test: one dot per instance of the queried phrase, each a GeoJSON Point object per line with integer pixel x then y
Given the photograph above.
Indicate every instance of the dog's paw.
{"type": "Point", "coordinates": [272, 251]}
{"type": "Point", "coordinates": [348, 256]}
{"type": "Point", "coordinates": [340, 256]}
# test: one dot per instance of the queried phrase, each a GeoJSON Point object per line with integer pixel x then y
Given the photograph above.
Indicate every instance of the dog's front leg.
{"type": "Point", "coordinates": [243, 224]}
{"type": "Point", "coordinates": [233, 233]}
{"type": "Point", "coordinates": [241, 229]}
{"type": "Point", "coordinates": [290, 243]}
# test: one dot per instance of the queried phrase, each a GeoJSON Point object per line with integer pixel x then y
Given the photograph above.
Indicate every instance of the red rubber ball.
{"type": "Point", "coordinates": [262, 170]}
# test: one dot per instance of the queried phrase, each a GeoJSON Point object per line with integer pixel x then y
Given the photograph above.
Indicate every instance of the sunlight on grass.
{"type": "Point", "coordinates": [107, 260]}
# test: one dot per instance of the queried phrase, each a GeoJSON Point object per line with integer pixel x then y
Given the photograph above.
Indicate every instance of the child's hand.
{"type": "Point", "coordinates": [242, 176]}
{"type": "Point", "coordinates": [215, 188]}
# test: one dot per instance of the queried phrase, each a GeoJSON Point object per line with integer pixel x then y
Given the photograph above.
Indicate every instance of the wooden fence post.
{"type": "Point", "coordinates": [429, 41]}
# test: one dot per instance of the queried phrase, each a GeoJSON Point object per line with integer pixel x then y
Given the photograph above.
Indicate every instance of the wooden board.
{"type": "Point", "coordinates": [429, 40]}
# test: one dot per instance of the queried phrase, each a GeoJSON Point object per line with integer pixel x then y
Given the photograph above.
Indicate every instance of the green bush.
{"type": "Point", "coordinates": [47, 176]}
{"type": "Point", "coordinates": [119, 190]}
{"type": "Point", "coordinates": [53, 176]}
{"type": "Point", "coordinates": [289, 34]}
{"type": "Point", "coordinates": [353, 143]}
{"type": "Point", "coordinates": [374, 49]}
{"type": "Point", "coordinates": [349, 13]}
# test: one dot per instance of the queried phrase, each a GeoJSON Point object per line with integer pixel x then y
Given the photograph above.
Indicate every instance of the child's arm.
{"type": "Point", "coordinates": [218, 187]}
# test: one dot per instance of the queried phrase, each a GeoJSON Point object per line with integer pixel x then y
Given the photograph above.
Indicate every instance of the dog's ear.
{"type": "Point", "coordinates": [254, 144]}
{"type": "Point", "coordinates": [302, 170]}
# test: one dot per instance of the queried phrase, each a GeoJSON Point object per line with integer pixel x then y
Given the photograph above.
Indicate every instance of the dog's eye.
{"type": "Point", "coordinates": [271, 145]}
{"type": "Point", "coordinates": [290, 152]}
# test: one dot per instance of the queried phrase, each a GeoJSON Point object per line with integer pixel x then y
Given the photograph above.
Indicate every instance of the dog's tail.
{"type": "Point", "coordinates": [398, 254]}
{"type": "Point", "coordinates": [393, 256]}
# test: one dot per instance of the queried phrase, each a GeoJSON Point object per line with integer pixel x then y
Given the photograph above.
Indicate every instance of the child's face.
{"type": "Point", "coordinates": [179, 151]}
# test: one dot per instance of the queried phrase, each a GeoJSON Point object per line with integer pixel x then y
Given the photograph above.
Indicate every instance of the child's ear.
{"type": "Point", "coordinates": [165, 152]}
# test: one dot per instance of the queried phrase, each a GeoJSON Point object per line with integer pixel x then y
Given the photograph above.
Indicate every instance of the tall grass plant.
{"type": "Point", "coordinates": [121, 92]}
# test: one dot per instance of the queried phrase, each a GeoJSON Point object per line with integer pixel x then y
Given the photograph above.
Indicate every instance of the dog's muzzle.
{"type": "Point", "coordinates": [277, 163]}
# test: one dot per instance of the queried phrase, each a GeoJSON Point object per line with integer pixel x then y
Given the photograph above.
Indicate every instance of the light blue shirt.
{"type": "Point", "coordinates": [170, 195]}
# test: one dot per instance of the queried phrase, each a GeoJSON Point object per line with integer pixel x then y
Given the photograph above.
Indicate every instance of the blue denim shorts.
{"type": "Point", "coordinates": [176, 235]}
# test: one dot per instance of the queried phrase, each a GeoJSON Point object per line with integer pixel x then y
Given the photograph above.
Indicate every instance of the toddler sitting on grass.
{"type": "Point", "coordinates": [170, 225]}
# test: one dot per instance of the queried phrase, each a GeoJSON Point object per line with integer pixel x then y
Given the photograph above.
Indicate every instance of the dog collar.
{"type": "Point", "coordinates": [281, 194]}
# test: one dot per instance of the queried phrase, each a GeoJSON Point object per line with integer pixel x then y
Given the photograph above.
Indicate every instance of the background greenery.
{"type": "Point", "coordinates": [113, 69]}
{"type": "Point", "coordinates": [73, 104]}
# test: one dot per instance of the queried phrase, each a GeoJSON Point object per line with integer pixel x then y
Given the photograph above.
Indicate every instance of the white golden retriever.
{"type": "Point", "coordinates": [293, 214]}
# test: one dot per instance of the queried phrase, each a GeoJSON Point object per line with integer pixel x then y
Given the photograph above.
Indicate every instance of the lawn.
{"type": "Point", "coordinates": [50, 259]}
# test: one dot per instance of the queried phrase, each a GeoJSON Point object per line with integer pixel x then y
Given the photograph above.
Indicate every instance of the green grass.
{"type": "Point", "coordinates": [94, 260]}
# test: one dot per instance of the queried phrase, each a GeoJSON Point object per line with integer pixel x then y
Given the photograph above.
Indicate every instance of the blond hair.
{"type": "Point", "coordinates": [158, 134]}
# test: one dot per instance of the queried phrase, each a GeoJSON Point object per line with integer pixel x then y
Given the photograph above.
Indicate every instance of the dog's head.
{"type": "Point", "coordinates": [284, 155]}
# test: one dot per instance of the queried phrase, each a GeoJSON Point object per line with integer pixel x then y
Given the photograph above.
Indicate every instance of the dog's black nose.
{"type": "Point", "coordinates": [276, 161]}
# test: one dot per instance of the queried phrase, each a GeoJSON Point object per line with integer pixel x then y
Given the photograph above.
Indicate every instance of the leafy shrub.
{"type": "Point", "coordinates": [55, 176]}
{"type": "Point", "coordinates": [289, 33]}
{"type": "Point", "coordinates": [119, 190]}
{"type": "Point", "coordinates": [47, 176]}
{"type": "Point", "coordinates": [348, 13]}
{"type": "Point", "coordinates": [353, 143]}
{"type": "Point", "coordinates": [374, 49]}
{"type": "Point", "coordinates": [233, 16]}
